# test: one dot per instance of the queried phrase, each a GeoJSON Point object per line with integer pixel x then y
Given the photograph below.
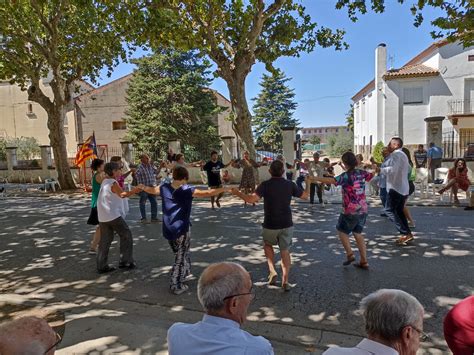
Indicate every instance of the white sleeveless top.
{"type": "Point", "coordinates": [109, 205]}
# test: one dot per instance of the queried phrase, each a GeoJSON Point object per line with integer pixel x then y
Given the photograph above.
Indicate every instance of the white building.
{"type": "Point", "coordinates": [432, 93]}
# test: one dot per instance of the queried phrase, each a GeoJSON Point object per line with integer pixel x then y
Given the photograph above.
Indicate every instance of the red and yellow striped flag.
{"type": "Point", "coordinates": [88, 151]}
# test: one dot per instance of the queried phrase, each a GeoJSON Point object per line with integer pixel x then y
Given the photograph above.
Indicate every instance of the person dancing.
{"type": "Point", "coordinates": [248, 180]}
{"type": "Point", "coordinates": [213, 169]}
{"type": "Point", "coordinates": [354, 207]}
{"type": "Point", "coordinates": [97, 167]}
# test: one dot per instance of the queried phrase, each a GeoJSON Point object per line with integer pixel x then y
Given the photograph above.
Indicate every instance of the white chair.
{"type": "Point", "coordinates": [51, 183]}
{"type": "Point", "coordinates": [441, 174]}
{"type": "Point", "coordinates": [421, 181]}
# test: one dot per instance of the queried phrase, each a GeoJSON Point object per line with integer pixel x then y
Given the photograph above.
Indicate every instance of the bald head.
{"type": "Point", "coordinates": [219, 281]}
{"type": "Point", "coordinates": [27, 335]}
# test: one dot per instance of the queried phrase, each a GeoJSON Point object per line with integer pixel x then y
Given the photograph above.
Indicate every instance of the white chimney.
{"type": "Point", "coordinates": [380, 70]}
{"type": "Point", "coordinates": [380, 63]}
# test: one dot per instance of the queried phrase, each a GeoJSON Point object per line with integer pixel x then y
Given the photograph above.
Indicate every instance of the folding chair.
{"type": "Point", "coordinates": [441, 174]}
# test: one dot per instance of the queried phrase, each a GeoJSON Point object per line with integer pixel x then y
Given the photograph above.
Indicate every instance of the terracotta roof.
{"type": "Point", "coordinates": [415, 60]}
{"type": "Point", "coordinates": [410, 71]}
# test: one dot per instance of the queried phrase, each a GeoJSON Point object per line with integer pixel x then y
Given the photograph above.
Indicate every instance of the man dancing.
{"type": "Point", "coordinates": [213, 169]}
{"type": "Point", "coordinates": [278, 222]}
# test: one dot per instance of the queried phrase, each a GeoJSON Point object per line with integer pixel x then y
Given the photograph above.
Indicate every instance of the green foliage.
{"type": "Point", "coordinates": [315, 140]}
{"type": "Point", "coordinates": [455, 23]}
{"type": "Point", "coordinates": [3, 149]}
{"type": "Point", "coordinates": [168, 99]}
{"type": "Point", "coordinates": [340, 143]}
{"type": "Point", "coordinates": [27, 147]}
{"type": "Point", "coordinates": [350, 118]}
{"type": "Point", "coordinates": [377, 153]}
{"type": "Point", "coordinates": [273, 109]}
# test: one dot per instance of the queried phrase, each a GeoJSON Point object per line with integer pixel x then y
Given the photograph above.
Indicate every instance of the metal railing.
{"type": "Point", "coordinates": [455, 144]}
{"type": "Point", "coordinates": [460, 107]}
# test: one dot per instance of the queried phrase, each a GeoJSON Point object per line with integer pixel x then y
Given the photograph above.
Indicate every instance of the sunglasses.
{"type": "Point", "coordinates": [56, 343]}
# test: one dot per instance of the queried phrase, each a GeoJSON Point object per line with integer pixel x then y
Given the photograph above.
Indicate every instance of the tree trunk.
{"type": "Point", "coordinates": [58, 143]}
{"type": "Point", "coordinates": [243, 119]}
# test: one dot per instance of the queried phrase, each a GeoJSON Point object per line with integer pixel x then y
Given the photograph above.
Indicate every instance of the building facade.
{"type": "Point", "coordinates": [103, 110]}
{"type": "Point", "coordinates": [431, 94]}
{"type": "Point", "coordinates": [322, 132]}
{"type": "Point", "coordinates": [20, 117]}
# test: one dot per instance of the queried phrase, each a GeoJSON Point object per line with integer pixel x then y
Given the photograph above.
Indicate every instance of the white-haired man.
{"type": "Point", "coordinates": [28, 335]}
{"type": "Point", "coordinates": [225, 291]}
{"type": "Point", "coordinates": [394, 325]}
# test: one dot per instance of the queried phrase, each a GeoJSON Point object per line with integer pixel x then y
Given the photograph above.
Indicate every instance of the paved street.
{"type": "Point", "coordinates": [44, 263]}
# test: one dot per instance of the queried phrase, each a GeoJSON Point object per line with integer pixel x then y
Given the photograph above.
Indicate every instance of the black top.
{"type": "Point", "coordinates": [213, 171]}
{"type": "Point", "coordinates": [277, 194]}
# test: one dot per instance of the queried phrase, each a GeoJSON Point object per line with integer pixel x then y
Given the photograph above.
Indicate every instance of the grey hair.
{"type": "Point", "coordinates": [212, 293]}
{"type": "Point", "coordinates": [387, 311]}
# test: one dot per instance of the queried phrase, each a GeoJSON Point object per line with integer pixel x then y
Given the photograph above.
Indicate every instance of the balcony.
{"type": "Point", "coordinates": [460, 107]}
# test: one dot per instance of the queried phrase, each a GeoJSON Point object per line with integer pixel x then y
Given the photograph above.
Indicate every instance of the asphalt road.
{"type": "Point", "coordinates": [44, 262]}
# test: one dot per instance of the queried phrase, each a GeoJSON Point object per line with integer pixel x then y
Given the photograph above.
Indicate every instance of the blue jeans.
{"type": "Point", "coordinates": [395, 205]}
{"type": "Point", "coordinates": [154, 206]}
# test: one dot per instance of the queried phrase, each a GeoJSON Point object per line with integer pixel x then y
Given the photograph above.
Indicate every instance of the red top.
{"type": "Point", "coordinates": [459, 327]}
{"type": "Point", "coordinates": [462, 180]}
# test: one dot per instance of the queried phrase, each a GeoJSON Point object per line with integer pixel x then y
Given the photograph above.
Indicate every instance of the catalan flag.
{"type": "Point", "coordinates": [88, 151]}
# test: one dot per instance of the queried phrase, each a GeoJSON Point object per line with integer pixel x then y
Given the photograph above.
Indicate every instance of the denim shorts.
{"type": "Point", "coordinates": [351, 223]}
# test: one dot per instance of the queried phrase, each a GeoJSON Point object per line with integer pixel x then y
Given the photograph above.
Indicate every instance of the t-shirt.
{"type": "Point", "coordinates": [213, 171]}
{"type": "Point", "coordinates": [277, 194]}
{"type": "Point", "coordinates": [176, 206]}
{"type": "Point", "coordinates": [435, 153]}
{"type": "Point", "coordinates": [353, 191]}
{"type": "Point", "coordinates": [420, 158]}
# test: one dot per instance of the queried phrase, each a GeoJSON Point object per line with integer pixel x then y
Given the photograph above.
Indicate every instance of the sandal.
{"type": "Point", "coordinates": [404, 239]}
{"type": "Point", "coordinates": [272, 278]}
{"type": "Point", "coordinates": [350, 259]}
{"type": "Point", "coordinates": [360, 265]}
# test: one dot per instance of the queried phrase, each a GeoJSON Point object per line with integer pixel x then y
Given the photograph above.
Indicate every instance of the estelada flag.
{"type": "Point", "coordinates": [88, 151]}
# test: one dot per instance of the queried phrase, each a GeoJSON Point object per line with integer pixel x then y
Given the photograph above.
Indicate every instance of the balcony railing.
{"type": "Point", "coordinates": [460, 107]}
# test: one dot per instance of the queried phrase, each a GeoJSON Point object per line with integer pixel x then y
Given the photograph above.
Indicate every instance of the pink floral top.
{"type": "Point", "coordinates": [353, 191]}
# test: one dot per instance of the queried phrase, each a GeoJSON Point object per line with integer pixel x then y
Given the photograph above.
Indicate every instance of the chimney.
{"type": "Point", "coordinates": [380, 63]}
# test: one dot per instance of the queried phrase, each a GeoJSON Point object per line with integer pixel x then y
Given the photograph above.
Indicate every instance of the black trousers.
{"type": "Point", "coordinates": [318, 188]}
{"type": "Point", "coordinates": [395, 205]}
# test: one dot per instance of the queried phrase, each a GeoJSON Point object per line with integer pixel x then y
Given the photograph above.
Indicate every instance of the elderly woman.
{"type": "Point", "coordinates": [457, 179]}
{"type": "Point", "coordinates": [394, 325]}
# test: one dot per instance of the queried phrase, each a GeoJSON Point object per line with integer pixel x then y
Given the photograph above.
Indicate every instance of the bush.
{"type": "Point", "coordinates": [340, 143]}
{"type": "Point", "coordinates": [3, 149]}
{"type": "Point", "coordinates": [27, 147]}
{"type": "Point", "coordinates": [377, 154]}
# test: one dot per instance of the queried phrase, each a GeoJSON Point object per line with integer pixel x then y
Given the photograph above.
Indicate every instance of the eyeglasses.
{"type": "Point", "coordinates": [58, 340]}
{"type": "Point", "coordinates": [252, 292]}
{"type": "Point", "coordinates": [423, 336]}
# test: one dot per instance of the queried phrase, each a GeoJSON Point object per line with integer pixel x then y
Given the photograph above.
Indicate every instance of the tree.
{"type": "Point", "coordinates": [3, 149]}
{"type": "Point", "coordinates": [456, 23]}
{"type": "Point", "coordinates": [273, 109]}
{"type": "Point", "coordinates": [350, 118]}
{"type": "Point", "coordinates": [27, 147]}
{"type": "Point", "coordinates": [315, 140]}
{"type": "Point", "coordinates": [66, 40]}
{"type": "Point", "coordinates": [169, 99]}
{"type": "Point", "coordinates": [377, 154]}
{"type": "Point", "coordinates": [235, 34]}
{"type": "Point", "coordinates": [340, 143]}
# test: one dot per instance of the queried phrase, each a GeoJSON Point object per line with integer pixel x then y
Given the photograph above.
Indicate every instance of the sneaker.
{"type": "Point", "coordinates": [286, 287]}
{"type": "Point", "coordinates": [155, 220]}
{"type": "Point", "coordinates": [144, 221]}
{"type": "Point", "coordinates": [128, 266]}
{"type": "Point", "coordinates": [108, 268]}
{"type": "Point", "coordinates": [403, 240]}
{"type": "Point", "coordinates": [92, 251]}
{"type": "Point", "coordinates": [179, 290]}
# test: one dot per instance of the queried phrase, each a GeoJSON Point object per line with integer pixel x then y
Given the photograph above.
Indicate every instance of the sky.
{"type": "Point", "coordinates": [325, 80]}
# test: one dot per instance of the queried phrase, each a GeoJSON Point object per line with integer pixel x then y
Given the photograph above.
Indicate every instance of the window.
{"type": "Point", "coordinates": [470, 58]}
{"type": "Point", "coordinates": [370, 144]}
{"type": "Point", "coordinates": [413, 95]}
{"type": "Point", "coordinates": [337, 130]}
{"type": "Point", "coordinates": [30, 108]}
{"type": "Point", "coordinates": [327, 130]}
{"type": "Point", "coordinates": [119, 125]}
{"type": "Point", "coordinates": [29, 111]}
